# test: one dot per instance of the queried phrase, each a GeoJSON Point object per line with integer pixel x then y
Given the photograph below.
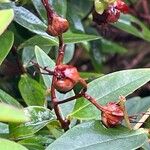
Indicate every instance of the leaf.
{"type": "Point", "coordinates": [108, 88]}
{"type": "Point", "coordinates": [40, 9]}
{"type": "Point", "coordinates": [137, 105]}
{"type": "Point", "coordinates": [28, 20]}
{"type": "Point", "coordinates": [78, 38]}
{"type": "Point", "coordinates": [6, 42]}
{"type": "Point", "coordinates": [68, 38]}
{"type": "Point", "coordinates": [5, 98]}
{"type": "Point", "coordinates": [69, 52]}
{"type": "Point", "coordinates": [31, 22]}
{"type": "Point", "coordinates": [94, 136]}
{"type": "Point", "coordinates": [6, 18]}
{"type": "Point", "coordinates": [132, 25]}
{"type": "Point", "coordinates": [60, 7]}
{"type": "Point", "coordinates": [39, 41]}
{"type": "Point", "coordinates": [39, 116]}
{"type": "Point", "coordinates": [44, 61]}
{"type": "Point", "coordinates": [31, 145]}
{"type": "Point", "coordinates": [12, 114]}
{"type": "Point", "coordinates": [2, 1]}
{"type": "Point", "coordinates": [36, 142]}
{"type": "Point", "coordinates": [28, 54]}
{"type": "Point", "coordinates": [32, 92]}
{"type": "Point", "coordinates": [8, 145]}
{"type": "Point", "coordinates": [4, 128]}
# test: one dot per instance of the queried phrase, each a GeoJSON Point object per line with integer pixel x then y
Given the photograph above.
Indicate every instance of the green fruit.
{"type": "Point", "coordinates": [100, 6]}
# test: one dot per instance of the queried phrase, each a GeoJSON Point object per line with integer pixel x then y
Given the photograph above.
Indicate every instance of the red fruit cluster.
{"type": "Point", "coordinates": [67, 77]}
{"type": "Point", "coordinates": [111, 14]}
{"type": "Point", "coordinates": [112, 114]}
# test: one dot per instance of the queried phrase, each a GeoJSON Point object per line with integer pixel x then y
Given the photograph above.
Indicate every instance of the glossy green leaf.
{"type": "Point", "coordinates": [40, 9]}
{"type": "Point", "coordinates": [6, 18]}
{"type": "Point", "coordinates": [11, 114]}
{"type": "Point", "coordinates": [28, 20]}
{"type": "Point", "coordinates": [6, 42]}
{"type": "Point", "coordinates": [6, 98]}
{"type": "Point", "coordinates": [39, 116]}
{"type": "Point", "coordinates": [31, 144]}
{"type": "Point", "coordinates": [8, 145]}
{"type": "Point", "coordinates": [44, 61]}
{"type": "Point", "coordinates": [137, 105]}
{"type": "Point", "coordinates": [94, 136]}
{"type": "Point", "coordinates": [28, 54]}
{"type": "Point", "coordinates": [60, 7]}
{"type": "Point", "coordinates": [31, 22]}
{"type": "Point", "coordinates": [4, 1]}
{"type": "Point", "coordinates": [132, 25]}
{"type": "Point", "coordinates": [90, 76]}
{"type": "Point", "coordinates": [69, 52]}
{"type": "Point", "coordinates": [78, 38]}
{"type": "Point", "coordinates": [68, 38]}
{"type": "Point", "coordinates": [108, 88]}
{"type": "Point", "coordinates": [40, 41]}
{"type": "Point", "coordinates": [80, 7]}
{"type": "Point", "coordinates": [146, 145]}
{"type": "Point", "coordinates": [4, 128]}
{"type": "Point", "coordinates": [75, 21]}
{"type": "Point", "coordinates": [32, 92]}
{"type": "Point", "coordinates": [37, 142]}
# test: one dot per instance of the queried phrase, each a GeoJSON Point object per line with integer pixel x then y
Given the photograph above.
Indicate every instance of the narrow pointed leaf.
{"type": "Point", "coordinates": [6, 98]}
{"type": "Point", "coordinates": [68, 38]}
{"type": "Point", "coordinates": [132, 25]}
{"type": "Point", "coordinates": [32, 92]}
{"type": "Point", "coordinates": [6, 42]}
{"type": "Point", "coordinates": [6, 18]}
{"type": "Point", "coordinates": [8, 145]}
{"type": "Point", "coordinates": [11, 114]}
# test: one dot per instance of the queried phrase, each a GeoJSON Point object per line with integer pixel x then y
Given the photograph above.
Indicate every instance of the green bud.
{"type": "Point", "coordinates": [100, 6]}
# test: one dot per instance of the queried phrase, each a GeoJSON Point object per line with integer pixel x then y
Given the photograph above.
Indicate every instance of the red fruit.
{"type": "Point", "coordinates": [122, 6]}
{"type": "Point", "coordinates": [67, 78]}
{"type": "Point", "coordinates": [58, 25]}
{"type": "Point", "coordinates": [112, 114]}
{"type": "Point", "coordinates": [113, 15]}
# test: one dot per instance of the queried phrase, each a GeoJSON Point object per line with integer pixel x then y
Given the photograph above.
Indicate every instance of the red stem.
{"type": "Point", "coordinates": [93, 101]}
{"type": "Point", "coordinates": [61, 51]}
{"type": "Point", "coordinates": [49, 11]}
{"type": "Point", "coordinates": [64, 123]}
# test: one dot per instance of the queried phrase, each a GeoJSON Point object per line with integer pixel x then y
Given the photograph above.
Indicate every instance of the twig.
{"type": "Point", "coordinates": [142, 120]}
{"type": "Point", "coordinates": [61, 51]}
{"type": "Point", "coordinates": [126, 117]}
